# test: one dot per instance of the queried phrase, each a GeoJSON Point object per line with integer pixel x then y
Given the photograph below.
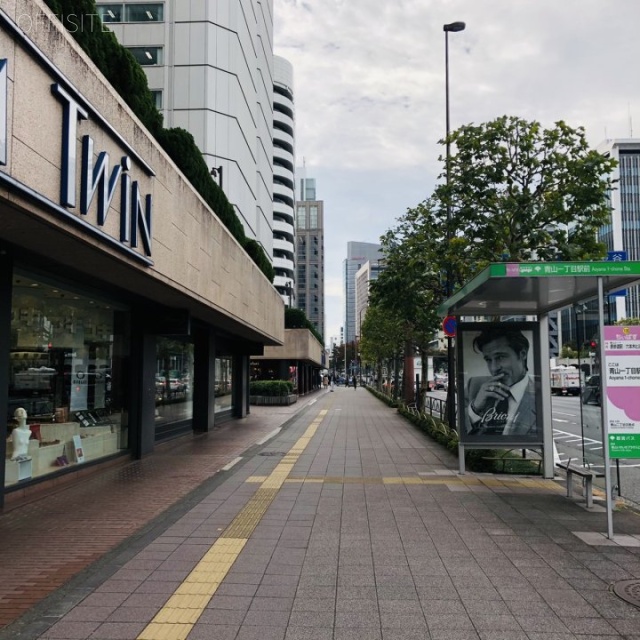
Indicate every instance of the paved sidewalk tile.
{"type": "Point", "coordinates": [348, 524]}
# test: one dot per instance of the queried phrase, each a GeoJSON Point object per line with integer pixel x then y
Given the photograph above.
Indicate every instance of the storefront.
{"type": "Point", "coordinates": [127, 311]}
{"type": "Point", "coordinates": [298, 360]}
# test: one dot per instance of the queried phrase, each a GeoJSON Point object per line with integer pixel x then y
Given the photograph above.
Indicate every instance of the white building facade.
{"type": "Point", "coordinates": [284, 252]}
{"type": "Point", "coordinates": [210, 66]}
{"type": "Point", "coordinates": [367, 274]}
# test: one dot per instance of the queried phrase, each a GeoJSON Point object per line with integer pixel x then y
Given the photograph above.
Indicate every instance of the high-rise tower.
{"type": "Point", "coordinates": [210, 65]}
{"type": "Point", "coordinates": [310, 251]}
{"type": "Point", "coordinates": [284, 256]}
{"type": "Point", "coordinates": [358, 253]}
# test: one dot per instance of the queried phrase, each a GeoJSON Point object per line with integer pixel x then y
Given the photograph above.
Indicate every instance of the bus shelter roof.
{"type": "Point", "coordinates": [534, 288]}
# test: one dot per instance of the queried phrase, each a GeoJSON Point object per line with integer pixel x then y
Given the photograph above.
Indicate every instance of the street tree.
{"type": "Point", "coordinates": [382, 339]}
{"type": "Point", "coordinates": [517, 192]}
{"type": "Point", "coordinates": [412, 283]}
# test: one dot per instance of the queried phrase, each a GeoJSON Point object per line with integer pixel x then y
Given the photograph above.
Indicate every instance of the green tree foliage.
{"type": "Point", "coordinates": [518, 192]}
{"type": "Point", "coordinates": [382, 337]}
{"type": "Point", "coordinates": [124, 73]}
{"type": "Point", "coordinates": [413, 282]}
{"type": "Point", "coordinates": [182, 148]}
{"type": "Point", "coordinates": [629, 322]}
{"type": "Point", "coordinates": [120, 68]}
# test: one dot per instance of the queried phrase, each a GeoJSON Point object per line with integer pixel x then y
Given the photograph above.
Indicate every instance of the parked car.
{"type": "Point", "coordinates": [591, 391]}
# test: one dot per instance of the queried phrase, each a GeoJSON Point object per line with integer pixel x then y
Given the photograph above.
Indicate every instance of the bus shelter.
{"type": "Point", "coordinates": [502, 352]}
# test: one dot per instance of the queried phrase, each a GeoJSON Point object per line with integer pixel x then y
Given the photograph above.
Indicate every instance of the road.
{"type": "Point", "coordinates": [577, 433]}
{"type": "Point", "coordinates": [585, 442]}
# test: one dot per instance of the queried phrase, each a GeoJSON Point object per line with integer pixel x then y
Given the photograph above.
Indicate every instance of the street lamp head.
{"type": "Point", "coordinates": [454, 27]}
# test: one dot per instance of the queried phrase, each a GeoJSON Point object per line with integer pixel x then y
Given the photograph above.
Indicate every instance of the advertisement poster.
{"type": "Point", "coordinates": [79, 450]}
{"type": "Point", "coordinates": [622, 375]}
{"type": "Point", "coordinates": [499, 383]}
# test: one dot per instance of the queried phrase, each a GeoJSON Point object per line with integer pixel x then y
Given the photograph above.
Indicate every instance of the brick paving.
{"type": "Point", "coordinates": [369, 534]}
{"type": "Point", "coordinates": [48, 540]}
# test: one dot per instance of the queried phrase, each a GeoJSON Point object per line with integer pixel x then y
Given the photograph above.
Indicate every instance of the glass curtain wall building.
{"type": "Point", "coordinates": [358, 253]}
{"type": "Point", "coordinates": [623, 232]}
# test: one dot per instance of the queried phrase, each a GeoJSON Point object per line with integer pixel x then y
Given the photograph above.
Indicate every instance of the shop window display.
{"type": "Point", "coordinates": [67, 378]}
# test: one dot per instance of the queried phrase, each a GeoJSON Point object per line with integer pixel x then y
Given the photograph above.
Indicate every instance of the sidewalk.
{"type": "Point", "coordinates": [47, 541]}
{"type": "Point", "coordinates": [349, 524]}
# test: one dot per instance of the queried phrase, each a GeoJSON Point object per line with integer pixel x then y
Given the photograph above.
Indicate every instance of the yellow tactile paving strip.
{"type": "Point", "coordinates": [183, 609]}
{"type": "Point", "coordinates": [468, 481]}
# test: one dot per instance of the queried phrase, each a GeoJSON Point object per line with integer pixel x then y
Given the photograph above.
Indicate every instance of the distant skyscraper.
{"type": "Point", "coordinates": [210, 67]}
{"type": "Point", "coordinates": [283, 181]}
{"type": "Point", "coordinates": [358, 253]}
{"type": "Point", "coordinates": [310, 251]}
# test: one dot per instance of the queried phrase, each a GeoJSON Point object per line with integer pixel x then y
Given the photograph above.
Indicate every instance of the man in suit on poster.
{"type": "Point", "coordinates": [504, 402]}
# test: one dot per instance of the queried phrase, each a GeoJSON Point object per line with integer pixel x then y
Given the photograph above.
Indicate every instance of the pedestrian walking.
{"type": "Point", "coordinates": [355, 382]}
{"type": "Point", "coordinates": [325, 382]}
{"type": "Point", "coordinates": [331, 381]}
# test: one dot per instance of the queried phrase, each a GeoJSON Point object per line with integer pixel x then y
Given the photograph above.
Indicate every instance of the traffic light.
{"type": "Point", "coordinates": [593, 345]}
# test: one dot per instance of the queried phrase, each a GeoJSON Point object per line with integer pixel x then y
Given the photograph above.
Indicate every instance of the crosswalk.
{"type": "Point", "coordinates": [591, 445]}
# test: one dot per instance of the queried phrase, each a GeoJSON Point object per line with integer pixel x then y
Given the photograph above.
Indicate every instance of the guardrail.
{"type": "Point", "coordinates": [434, 406]}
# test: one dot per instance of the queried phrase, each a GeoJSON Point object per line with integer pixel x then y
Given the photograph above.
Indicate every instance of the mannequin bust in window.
{"type": "Point", "coordinates": [20, 436]}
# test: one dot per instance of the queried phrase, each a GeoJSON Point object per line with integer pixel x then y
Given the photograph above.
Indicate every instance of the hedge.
{"type": "Point", "coordinates": [270, 388]}
{"type": "Point", "coordinates": [124, 73]}
{"type": "Point", "coordinates": [474, 459]}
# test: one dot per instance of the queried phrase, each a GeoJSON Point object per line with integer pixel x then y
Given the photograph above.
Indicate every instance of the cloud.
{"type": "Point", "coordinates": [370, 91]}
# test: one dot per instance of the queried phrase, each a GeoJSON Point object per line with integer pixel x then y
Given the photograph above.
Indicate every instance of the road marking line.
{"type": "Point", "coordinates": [565, 434]}
{"type": "Point", "coordinates": [231, 464]}
{"type": "Point", "coordinates": [176, 618]}
{"type": "Point", "coordinates": [559, 420]}
{"type": "Point", "coordinates": [269, 435]}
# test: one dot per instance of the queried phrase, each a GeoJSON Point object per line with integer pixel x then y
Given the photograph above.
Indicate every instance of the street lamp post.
{"type": "Point", "coordinates": [452, 27]}
{"type": "Point", "coordinates": [216, 172]}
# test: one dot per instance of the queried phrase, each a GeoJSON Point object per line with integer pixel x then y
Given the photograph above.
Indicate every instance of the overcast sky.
{"type": "Point", "coordinates": [369, 84]}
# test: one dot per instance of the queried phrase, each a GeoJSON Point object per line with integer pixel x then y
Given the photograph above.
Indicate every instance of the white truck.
{"type": "Point", "coordinates": [417, 368]}
{"type": "Point", "coordinates": [565, 381]}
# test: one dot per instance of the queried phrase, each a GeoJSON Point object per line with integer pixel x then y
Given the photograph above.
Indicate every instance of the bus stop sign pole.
{"type": "Point", "coordinates": [603, 411]}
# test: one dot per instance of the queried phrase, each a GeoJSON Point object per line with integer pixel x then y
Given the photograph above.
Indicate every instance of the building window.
{"type": "Point", "coordinates": [111, 12]}
{"type": "Point", "coordinates": [124, 12]}
{"type": "Point", "coordinates": [68, 377]}
{"type": "Point", "coordinates": [174, 385]}
{"type": "Point", "coordinates": [313, 217]}
{"type": "Point", "coordinates": [157, 98]}
{"type": "Point", "coordinates": [147, 56]}
{"type": "Point", "coordinates": [224, 387]}
{"type": "Point", "coordinates": [149, 12]}
{"type": "Point", "coordinates": [301, 218]}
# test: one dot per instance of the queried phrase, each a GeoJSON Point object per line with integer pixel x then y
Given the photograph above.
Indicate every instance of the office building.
{"type": "Point", "coordinates": [622, 234]}
{"type": "Point", "coordinates": [310, 251]}
{"type": "Point", "coordinates": [358, 253]}
{"type": "Point", "coordinates": [367, 274]}
{"type": "Point", "coordinates": [210, 66]}
{"type": "Point", "coordinates": [283, 181]}
{"type": "Point", "coordinates": [128, 311]}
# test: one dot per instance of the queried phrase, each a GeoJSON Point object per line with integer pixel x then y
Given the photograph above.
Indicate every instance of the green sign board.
{"type": "Point", "coordinates": [554, 269]}
{"type": "Point", "coordinates": [624, 446]}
